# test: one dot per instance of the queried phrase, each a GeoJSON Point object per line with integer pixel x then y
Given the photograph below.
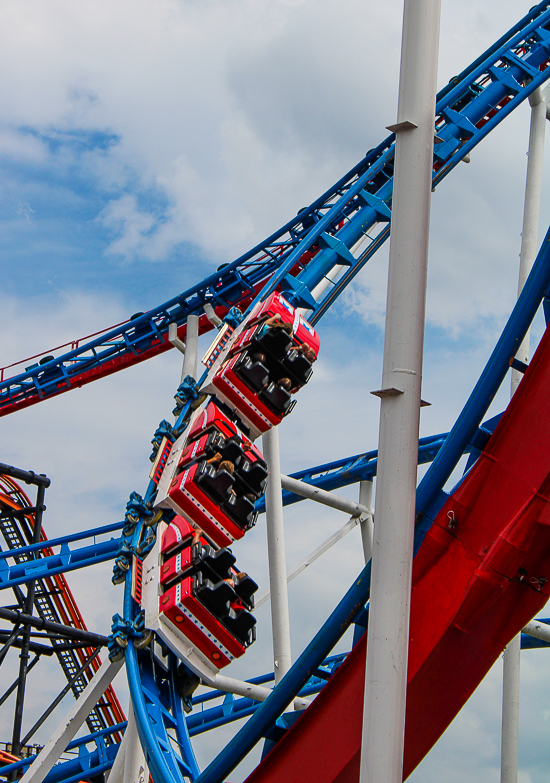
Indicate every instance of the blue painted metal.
{"type": "Point", "coordinates": [79, 743]}
{"type": "Point", "coordinates": [71, 538]}
{"type": "Point", "coordinates": [67, 560]}
{"type": "Point", "coordinates": [182, 729]}
{"type": "Point", "coordinates": [467, 111]}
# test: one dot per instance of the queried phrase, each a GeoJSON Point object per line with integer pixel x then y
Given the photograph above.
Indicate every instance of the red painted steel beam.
{"type": "Point", "coordinates": [482, 572]}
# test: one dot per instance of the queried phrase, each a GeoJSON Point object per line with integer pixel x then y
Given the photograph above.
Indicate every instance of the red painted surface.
{"type": "Point", "coordinates": [202, 629]}
{"type": "Point", "coordinates": [480, 575]}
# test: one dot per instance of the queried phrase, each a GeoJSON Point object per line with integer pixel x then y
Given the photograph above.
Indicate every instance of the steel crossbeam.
{"type": "Point", "coordinates": [67, 560]}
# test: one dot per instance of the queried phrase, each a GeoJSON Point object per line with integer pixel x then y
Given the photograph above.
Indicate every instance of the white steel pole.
{"type": "Point", "coordinates": [510, 712]}
{"type": "Point", "coordinates": [135, 765]}
{"type": "Point", "coordinates": [367, 522]}
{"type": "Point", "coordinates": [67, 729]}
{"type": "Point", "coordinates": [276, 555]}
{"type": "Point", "coordinates": [388, 631]}
{"type": "Point", "coordinates": [191, 347]}
{"type": "Point", "coordinates": [533, 187]}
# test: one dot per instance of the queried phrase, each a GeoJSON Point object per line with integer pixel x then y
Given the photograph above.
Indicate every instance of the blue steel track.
{"type": "Point", "coordinates": [342, 229]}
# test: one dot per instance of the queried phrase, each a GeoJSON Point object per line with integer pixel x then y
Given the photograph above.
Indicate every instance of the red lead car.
{"type": "Point", "coordinates": [269, 360]}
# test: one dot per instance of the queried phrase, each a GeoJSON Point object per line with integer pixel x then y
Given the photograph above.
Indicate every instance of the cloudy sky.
{"type": "Point", "coordinates": [144, 143]}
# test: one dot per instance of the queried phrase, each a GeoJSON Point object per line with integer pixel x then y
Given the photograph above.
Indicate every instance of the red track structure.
{"type": "Point", "coordinates": [68, 613]}
{"type": "Point", "coordinates": [481, 573]}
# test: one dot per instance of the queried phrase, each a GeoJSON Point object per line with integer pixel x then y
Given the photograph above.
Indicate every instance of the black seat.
{"type": "Point", "coordinates": [275, 341]}
{"type": "Point", "coordinates": [277, 398]}
{"type": "Point", "coordinates": [216, 483]}
{"type": "Point", "coordinates": [241, 624]}
{"type": "Point", "coordinates": [230, 449]}
{"type": "Point", "coordinates": [245, 587]}
{"type": "Point", "coordinates": [253, 373]}
{"type": "Point", "coordinates": [215, 564]}
{"type": "Point", "coordinates": [216, 597]}
{"type": "Point", "coordinates": [253, 475]}
{"type": "Point", "coordinates": [241, 510]}
{"type": "Point", "coordinates": [298, 367]}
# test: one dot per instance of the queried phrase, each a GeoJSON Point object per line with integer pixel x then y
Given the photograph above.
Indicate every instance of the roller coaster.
{"type": "Point", "coordinates": [187, 608]}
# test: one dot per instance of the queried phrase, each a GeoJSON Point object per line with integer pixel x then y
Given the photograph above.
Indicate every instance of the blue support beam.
{"type": "Point", "coordinates": [67, 560]}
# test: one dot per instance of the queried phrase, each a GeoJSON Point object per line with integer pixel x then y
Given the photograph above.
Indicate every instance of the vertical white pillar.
{"type": "Point", "coordinates": [276, 556]}
{"type": "Point", "coordinates": [388, 631]}
{"type": "Point", "coordinates": [367, 526]}
{"type": "Point", "coordinates": [533, 186]}
{"type": "Point", "coordinates": [510, 712]}
{"type": "Point", "coordinates": [191, 347]}
{"type": "Point", "coordinates": [135, 766]}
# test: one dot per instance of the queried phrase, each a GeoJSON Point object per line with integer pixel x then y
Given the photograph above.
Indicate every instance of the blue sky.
{"type": "Point", "coordinates": [141, 145]}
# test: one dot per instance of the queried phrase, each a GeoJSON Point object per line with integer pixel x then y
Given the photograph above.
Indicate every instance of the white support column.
{"type": "Point", "coordinates": [510, 712]}
{"type": "Point", "coordinates": [276, 555]}
{"type": "Point", "coordinates": [130, 765]}
{"type": "Point", "coordinates": [533, 187]}
{"type": "Point", "coordinates": [192, 347]}
{"type": "Point", "coordinates": [116, 773]}
{"type": "Point", "coordinates": [367, 522]}
{"type": "Point", "coordinates": [67, 730]}
{"type": "Point", "coordinates": [388, 631]}
{"type": "Point", "coordinates": [529, 237]}
{"type": "Point", "coordinates": [248, 689]}
{"type": "Point", "coordinates": [135, 766]}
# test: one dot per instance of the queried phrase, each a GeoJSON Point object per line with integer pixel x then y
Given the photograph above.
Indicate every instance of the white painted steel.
{"type": "Point", "coordinates": [135, 765]}
{"type": "Point", "coordinates": [529, 243]}
{"type": "Point", "coordinates": [67, 730]}
{"type": "Point", "coordinates": [326, 498]}
{"type": "Point", "coordinates": [116, 773]}
{"type": "Point", "coordinates": [280, 622]}
{"type": "Point", "coordinates": [367, 521]}
{"type": "Point", "coordinates": [211, 315]}
{"type": "Point", "coordinates": [174, 339]}
{"type": "Point", "coordinates": [190, 358]}
{"type": "Point", "coordinates": [388, 631]}
{"type": "Point", "coordinates": [311, 558]}
{"type": "Point", "coordinates": [533, 187]}
{"type": "Point", "coordinates": [538, 630]}
{"type": "Point", "coordinates": [248, 690]}
{"type": "Point", "coordinates": [510, 712]}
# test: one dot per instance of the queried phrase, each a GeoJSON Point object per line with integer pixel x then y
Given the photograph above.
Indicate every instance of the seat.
{"type": "Point", "coordinates": [245, 587]}
{"type": "Point", "coordinates": [253, 476]}
{"type": "Point", "coordinates": [253, 373]}
{"type": "Point", "coordinates": [275, 341]}
{"type": "Point", "coordinates": [216, 597]}
{"type": "Point", "coordinates": [297, 367]}
{"type": "Point", "coordinates": [241, 624]}
{"type": "Point", "coordinates": [215, 564]}
{"type": "Point", "coordinates": [277, 398]}
{"type": "Point", "coordinates": [241, 510]}
{"type": "Point", "coordinates": [215, 483]}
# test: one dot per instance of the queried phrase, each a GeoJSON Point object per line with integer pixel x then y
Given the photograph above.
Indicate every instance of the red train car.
{"type": "Point", "coordinates": [204, 598]}
{"type": "Point", "coordinates": [268, 361]}
{"type": "Point", "coordinates": [217, 479]}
